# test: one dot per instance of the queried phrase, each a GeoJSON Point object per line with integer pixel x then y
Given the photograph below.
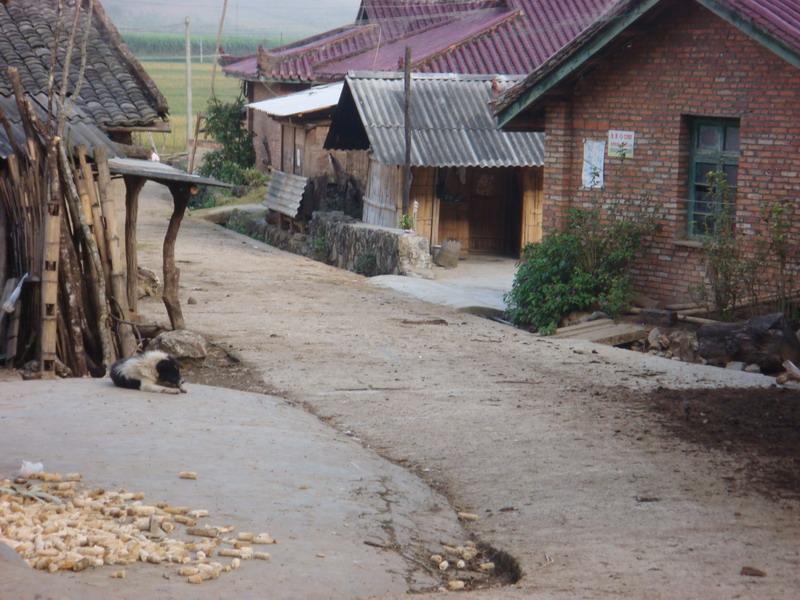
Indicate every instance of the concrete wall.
{"type": "Point", "coordinates": [692, 64]}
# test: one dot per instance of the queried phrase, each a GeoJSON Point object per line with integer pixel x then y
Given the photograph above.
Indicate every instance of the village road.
{"type": "Point", "coordinates": [534, 435]}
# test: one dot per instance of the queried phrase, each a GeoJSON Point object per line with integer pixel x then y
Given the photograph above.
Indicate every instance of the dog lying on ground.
{"type": "Point", "coordinates": [152, 371]}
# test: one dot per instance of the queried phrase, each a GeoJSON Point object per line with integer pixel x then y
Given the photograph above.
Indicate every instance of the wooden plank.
{"type": "Point", "coordinates": [603, 331]}
{"type": "Point", "coordinates": [532, 206]}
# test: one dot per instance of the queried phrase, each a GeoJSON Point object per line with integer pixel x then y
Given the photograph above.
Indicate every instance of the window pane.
{"type": "Point", "coordinates": [708, 137]}
{"type": "Point", "coordinates": [731, 173]}
{"type": "Point", "coordinates": [703, 224]}
{"type": "Point", "coordinates": [732, 139]}
{"type": "Point", "coordinates": [701, 171]}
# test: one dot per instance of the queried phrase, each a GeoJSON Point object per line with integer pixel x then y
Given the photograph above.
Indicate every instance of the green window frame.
{"type": "Point", "coordinates": [715, 147]}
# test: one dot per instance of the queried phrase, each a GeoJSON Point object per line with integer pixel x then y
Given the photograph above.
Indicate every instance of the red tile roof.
{"type": "Point", "coordinates": [462, 36]}
{"type": "Point", "coordinates": [779, 18]}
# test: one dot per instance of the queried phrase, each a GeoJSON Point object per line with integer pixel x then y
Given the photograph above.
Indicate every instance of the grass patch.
{"type": "Point", "coordinates": [170, 77]}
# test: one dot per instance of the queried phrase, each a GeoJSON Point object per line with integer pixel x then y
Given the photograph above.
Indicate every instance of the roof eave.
{"type": "Point", "coordinates": [750, 29]}
{"type": "Point", "coordinates": [572, 62]}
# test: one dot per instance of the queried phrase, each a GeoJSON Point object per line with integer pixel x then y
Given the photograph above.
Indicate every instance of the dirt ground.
{"type": "Point", "coordinates": [574, 460]}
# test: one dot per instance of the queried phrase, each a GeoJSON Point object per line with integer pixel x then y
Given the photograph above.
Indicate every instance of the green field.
{"type": "Point", "coordinates": [170, 77]}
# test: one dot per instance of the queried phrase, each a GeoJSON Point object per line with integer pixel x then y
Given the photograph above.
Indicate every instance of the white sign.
{"type": "Point", "coordinates": [620, 144]}
{"type": "Point", "coordinates": [593, 162]}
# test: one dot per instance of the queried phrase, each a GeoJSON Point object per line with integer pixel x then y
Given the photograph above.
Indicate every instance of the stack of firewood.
{"type": "Point", "coordinates": [65, 306]}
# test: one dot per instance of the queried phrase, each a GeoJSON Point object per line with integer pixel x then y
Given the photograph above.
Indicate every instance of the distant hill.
{"type": "Point", "coordinates": [271, 20]}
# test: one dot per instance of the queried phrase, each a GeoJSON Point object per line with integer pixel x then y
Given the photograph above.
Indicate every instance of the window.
{"type": "Point", "coordinates": [715, 148]}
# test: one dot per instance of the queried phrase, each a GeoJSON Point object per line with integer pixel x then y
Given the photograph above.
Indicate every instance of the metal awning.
{"type": "Point", "coordinates": [160, 172]}
{"type": "Point", "coordinates": [285, 193]}
{"type": "Point", "coordinates": [312, 100]}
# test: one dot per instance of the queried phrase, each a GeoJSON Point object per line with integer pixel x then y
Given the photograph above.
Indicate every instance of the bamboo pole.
{"type": "Point", "coordinates": [180, 196]}
{"type": "Point", "coordinates": [96, 210]}
{"type": "Point", "coordinates": [48, 337]}
{"type": "Point", "coordinates": [133, 185]}
{"type": "Point", "coordinates": [95, 266]}
{"type": "Point", "coordinates": [72, 300]}
{"type": "Point", "coordinates": [119, 288]}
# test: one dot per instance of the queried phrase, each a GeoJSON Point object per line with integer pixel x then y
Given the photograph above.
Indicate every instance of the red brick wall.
{"type": "Point", "coordinates": [691, 64]}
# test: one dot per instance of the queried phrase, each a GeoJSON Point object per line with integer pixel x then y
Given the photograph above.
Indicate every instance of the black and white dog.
{"type": "Point", "coordinates": [152, 371]}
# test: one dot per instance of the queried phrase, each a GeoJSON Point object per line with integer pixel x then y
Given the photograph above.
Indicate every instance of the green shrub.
{"type": "Point", "coordinates": [319, 246]}
{"type": "Point", "coordinates": [367, 264]}
{"type": "Point", "coordinates": [587, 266]}
{"type": "Point", "coordinates": [234, 161]}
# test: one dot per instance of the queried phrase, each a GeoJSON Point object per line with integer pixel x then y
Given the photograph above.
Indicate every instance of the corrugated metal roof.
{"type": "Point", "coordinates": [160, 172]}
{"type": "Point", "coordinates": [285, 192]}
{"type": "Point", "coordinates": [483, 36]}
{"type": "Point", "coordinates": [452, 122]}
{"type": "Point", "coordinates": [311, 100]}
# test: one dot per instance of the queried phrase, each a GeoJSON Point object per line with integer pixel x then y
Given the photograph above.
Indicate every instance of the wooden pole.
{"type": "Point", "coordinates": [194, 143]}
{"type": "Point", "coordinates": [48, 337]}
{"type": "Point", "coordinates": [217, 47]}
{"type": "Point", "coordinates": [133, 185]}
{"type": "Point", "coordinates": [407, 130]}
{"type": "Point", "coordinates": [95, 268]}
{"type": "Point", "coordinates": [119, 288]}
{"type": "Point", "coordinates": [188, 84]}
{"type": "Point", "coordinates": [180, 196]}
{"type": "Point", "coordinates": [96, 211]}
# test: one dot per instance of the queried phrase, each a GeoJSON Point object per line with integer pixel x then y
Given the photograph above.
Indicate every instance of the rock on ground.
{"type": "Point", "coordinates": [180, 344]}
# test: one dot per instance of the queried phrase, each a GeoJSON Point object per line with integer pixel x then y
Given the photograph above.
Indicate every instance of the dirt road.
{"type": "Point", "coordinates": [537, 436]}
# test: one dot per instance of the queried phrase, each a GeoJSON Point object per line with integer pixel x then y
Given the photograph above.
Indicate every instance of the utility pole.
{"type": "Point", "coordinates": [201, 51]}
{"type": "Point", "coordinates": [407, 130]}
{"type": "Point", "coordinates": [216, 47]}
{"type": "Point", "coordinates": [188, 84]}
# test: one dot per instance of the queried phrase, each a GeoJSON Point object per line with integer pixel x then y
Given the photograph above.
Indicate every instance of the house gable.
{"type": "Point", "coordinates": [685, 65]}
{"type": "Point", "coordinates": [628, 18]}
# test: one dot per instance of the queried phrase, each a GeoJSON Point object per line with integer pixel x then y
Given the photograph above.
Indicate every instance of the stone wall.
{"type": "Point", "coordinates": [344, 242]}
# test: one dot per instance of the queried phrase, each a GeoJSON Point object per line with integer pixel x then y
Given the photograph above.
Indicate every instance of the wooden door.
{"type": "Point", "coordinates": [532, 200]}
{"type": "Point", "coordinates": [423, 190]}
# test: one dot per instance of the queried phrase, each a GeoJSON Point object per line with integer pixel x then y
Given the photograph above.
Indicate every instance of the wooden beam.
{"type": "Point", "coordinates": [133, 185]}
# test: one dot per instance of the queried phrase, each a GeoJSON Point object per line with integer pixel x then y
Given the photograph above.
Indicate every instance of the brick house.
{"type": "Point", "coordinates": [691, 87]}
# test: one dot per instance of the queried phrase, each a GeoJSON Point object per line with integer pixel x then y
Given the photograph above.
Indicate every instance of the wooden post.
{"type": "Point", "coordinates": [110, 233]}
{"type": "Point", "coordinates": [188, 83]}
{"type": "Point", "coordinates": [217, 48]}
{"type": "Point", "coordinates": [48, 337]}
{"type": "Point", "coordinates": [407, 130]}
{"type": "Point", "coordinates": [133, 185]}
{"type": "Point", "coordinates": [96, 212]}
{"type": "Point", "coordinates": [194, 142]}
{"type": "Point", "coordinates": [180, 196]}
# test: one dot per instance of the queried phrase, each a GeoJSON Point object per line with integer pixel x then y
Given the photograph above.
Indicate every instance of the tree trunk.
{"type": "Point", "coordinates": [767, 341]}
{"type": "Point", "coordinates": [180, 196]}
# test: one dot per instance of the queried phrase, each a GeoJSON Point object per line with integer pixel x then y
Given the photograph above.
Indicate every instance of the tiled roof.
{"type": "Point", "coordinates": [466, 36]}
{"type": "Point", "coordinates": [451, 120]}
{"type": "Point", "coordinates": [779, 18]}
{"type": "Point", "coordinates": [116, 92]}
{"type": "Point", "coordinates": [775, 22]}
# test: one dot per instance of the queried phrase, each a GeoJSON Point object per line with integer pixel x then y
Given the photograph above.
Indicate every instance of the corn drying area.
{"type": "Point", "coordinates": [56, 524]}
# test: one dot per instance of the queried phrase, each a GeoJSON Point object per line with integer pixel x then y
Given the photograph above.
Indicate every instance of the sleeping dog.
{"type": "Point", "coordinates": [153, 371]}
